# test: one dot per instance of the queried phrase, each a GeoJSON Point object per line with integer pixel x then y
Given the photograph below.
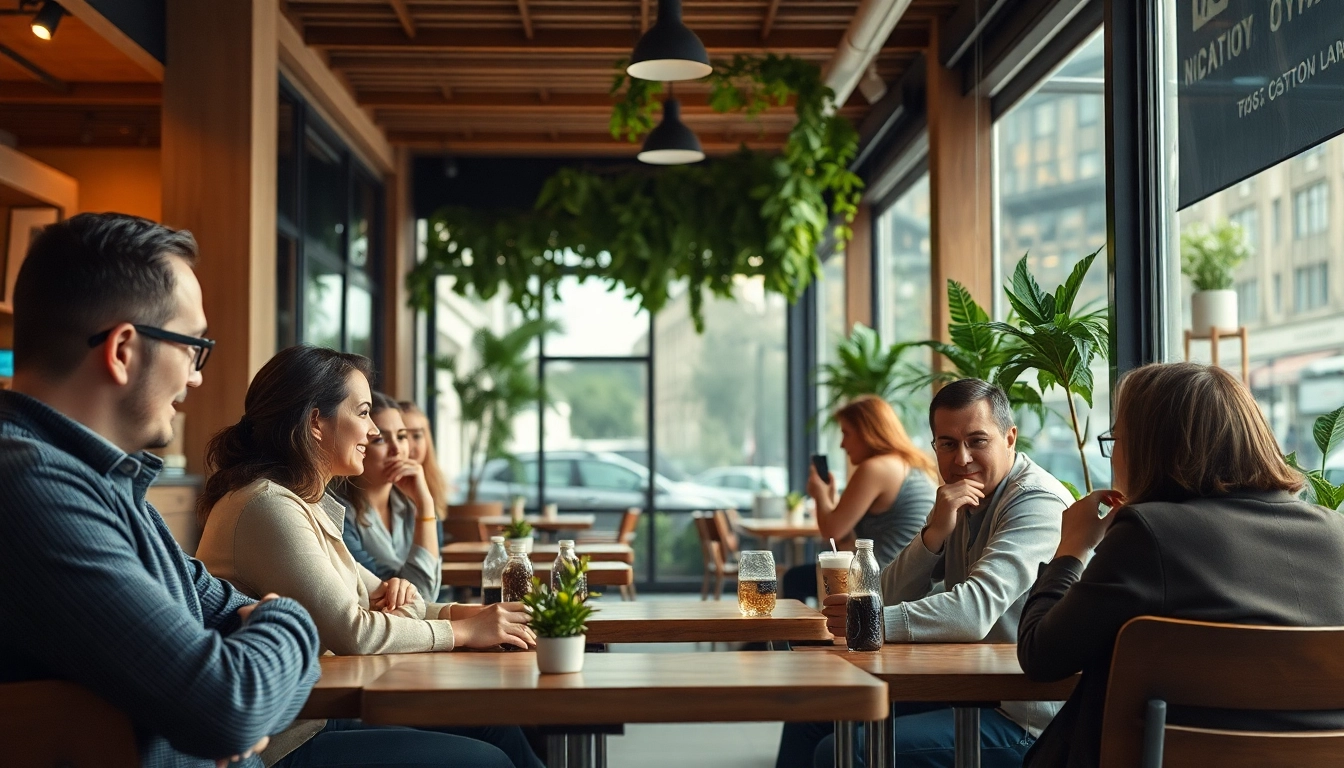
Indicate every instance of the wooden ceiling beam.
{"type": "Point", "coordinates": [542, 99]}
{"type": "Point", "coordinates": [80, 94]}
{"type": "Point", "coordinates": [404, 16]}
{"type": "Point", "coordinates": [526, 17]}
{"type": "Point", "coordinates": [542, 143]}
{"type": "Point", "coordinates": [769, 19]}
{"type": "Point", "coordinates": [606, 42]}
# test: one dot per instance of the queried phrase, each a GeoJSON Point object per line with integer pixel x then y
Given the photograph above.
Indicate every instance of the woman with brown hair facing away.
{"type": "Point", "coordinates": [887, 498]}
{"type": "Point", "coordinates": [420, 449]}
{"type": "Point", "coordinates": [270, 527]}
{"type": "Point", "coordinates": [1205, 525]}
{"type": "Point", "coordinates": [390, 525]}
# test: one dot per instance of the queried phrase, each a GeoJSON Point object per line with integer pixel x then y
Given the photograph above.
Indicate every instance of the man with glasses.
{"type": "Point", "coordinates": [964, 579]}
{"type": "Point", "coordinates": [108, 339]}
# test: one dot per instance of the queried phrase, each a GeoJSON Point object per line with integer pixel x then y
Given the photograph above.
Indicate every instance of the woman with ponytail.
{"type": "Point", "coordinates": [270, 527]}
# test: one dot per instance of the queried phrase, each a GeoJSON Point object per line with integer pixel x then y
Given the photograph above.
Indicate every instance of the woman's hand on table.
{"type": "Point", "coordinates": [459, 611]}
{"type": "Point", "coordinates": [497, 624]}
{"type": "Point", "coordinates": [1082, 528]}
{"type": "Point", "coordinates": [834, 609]}
{"type": "Point", "coordinates": [392, 594]}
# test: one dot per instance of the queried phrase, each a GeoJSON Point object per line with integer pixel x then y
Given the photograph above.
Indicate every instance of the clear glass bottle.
{"type": "Point", "coordinates": [863, 613]}
{"type": "Point", "coordinates": [516, 579]}
{"type": "Point", "coordinates": [492, 571]}
{"type": "Point", "coordinates": [567, 555]}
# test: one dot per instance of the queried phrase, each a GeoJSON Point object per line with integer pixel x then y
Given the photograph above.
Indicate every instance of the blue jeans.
{"type": "Point", "coordinates": [352, 743]}
{"type": "Point", "coordinates": [923, 736]}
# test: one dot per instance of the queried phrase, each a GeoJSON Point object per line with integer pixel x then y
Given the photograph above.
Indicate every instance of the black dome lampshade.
{"type": "Point", "coordinates": [669, 50]}
{"type": "Point", "coordinates": [671, 143]}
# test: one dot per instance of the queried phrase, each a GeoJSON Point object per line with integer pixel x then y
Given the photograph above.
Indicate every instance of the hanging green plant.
{"type": "Point", "coordinates": [643, 229]}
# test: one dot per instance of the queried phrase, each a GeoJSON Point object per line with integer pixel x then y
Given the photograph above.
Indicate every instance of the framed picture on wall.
{"type": "Point", "coordinates": [24, 224]}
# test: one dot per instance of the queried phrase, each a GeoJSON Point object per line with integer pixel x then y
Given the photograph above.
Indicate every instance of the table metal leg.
{"type": "Point", "coordinates": [600, 750]}
{"type": "Point", "coordinates": [580, 750]}
{"type": "Point", "coordinates": [557, 751]}
{"type": "Point", "coordinates": [875, 744]}
{"type": "Point", "coordinates": [844, 744]}
{"type": "Point", "coordinates": [966, 736]}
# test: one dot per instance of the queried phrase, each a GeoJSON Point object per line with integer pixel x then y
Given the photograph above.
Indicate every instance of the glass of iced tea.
{"type": "Point", "coordinates": [756, 583]}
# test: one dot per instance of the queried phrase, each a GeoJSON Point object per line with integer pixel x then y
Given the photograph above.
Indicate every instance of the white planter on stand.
{"type": "Point", "coordinates": [1213, 309]}
{"type": "Point", "coordinates": [560, 655]}
{"type": "Point", "coordinates": [527, 544]}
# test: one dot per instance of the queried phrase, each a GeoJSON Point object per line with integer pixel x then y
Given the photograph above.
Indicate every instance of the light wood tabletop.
{"type": "Point", "coordinates": [951, 672]}
{"type": "Point", "coordinates": [338, 691]}
{"type": "Point", "coordinates": [600, 574]}
{"type": "Point", "coordinates": [709, 621]}
{"type": "Point", "coordinates": [441, 689]}
{"type": "Point", "coordinates": [567, 522]}
{"type": "Point", "coordinates": [768, 528]}
{"type": "Point", "coordinates": [475, 552]}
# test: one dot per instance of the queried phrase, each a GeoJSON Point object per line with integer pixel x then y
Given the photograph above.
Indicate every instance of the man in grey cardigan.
{"type": "Point", "coordinates": [108, 321]}
{"type": "Point", "coordinates": [965, 578]}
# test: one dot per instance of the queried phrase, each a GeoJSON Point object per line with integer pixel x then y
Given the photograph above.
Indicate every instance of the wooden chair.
{"type": "Point", "coordinates": [720, 554]}
{"type": "Point", "coordinates": [49, 723]}
{"type": "Point", "coordinates": [465, 529]}
{"type": "Point", "coordinates": [624, 534]}
{"type": "Point", "coordinates": [1171, 662]}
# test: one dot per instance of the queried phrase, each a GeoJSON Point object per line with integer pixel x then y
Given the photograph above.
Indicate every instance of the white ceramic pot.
{"type": "Point", "coordinates": [560, 655]}
{"type": "Point", "coordinates": [1213, 309]}
{"type": "Point", "coordinates": [527, 544]}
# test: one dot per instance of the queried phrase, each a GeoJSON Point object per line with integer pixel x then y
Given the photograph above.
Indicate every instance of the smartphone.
{"type": "Point", "coordinates": [823, 468]}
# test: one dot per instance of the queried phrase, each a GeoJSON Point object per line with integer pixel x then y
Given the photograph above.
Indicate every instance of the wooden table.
{"type": "Point", "coordinates": [550, 524]}
{"type": "Point", "coordinates": [600, 574]}
{"type": "Point", "coordinates": [475, 552]}
{"type": "Point", "coordinates": [339, 691]}
{"type": "Point", "coordinates": [702, 622]}
{"type": "Point", "coordinates": [966, 675]}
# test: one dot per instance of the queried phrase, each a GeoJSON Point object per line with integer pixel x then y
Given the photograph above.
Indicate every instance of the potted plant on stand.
{"type": "Point", "coordinates": [1209, 257]}
{"type": "Point", "coordinates": [519, 530]}
{"type": "Point", "coordinates": [558, 617]}
{"type": "Point", "coordinates": [499, 386]}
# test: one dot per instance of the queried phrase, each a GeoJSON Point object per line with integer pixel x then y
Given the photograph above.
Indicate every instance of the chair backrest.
{"type": "Point", "coordinates": [459, 529]}
{"type": "Point", "coordinates": [723, 533]}
{"type": "Point", "coordinates": [1224, 666]}
{"type": "Point", "coordinates": [47, 723]}
{"type": "Point", "coordinates": [709, 548]}
{"type": "Point", "coordinates": [625, 532]}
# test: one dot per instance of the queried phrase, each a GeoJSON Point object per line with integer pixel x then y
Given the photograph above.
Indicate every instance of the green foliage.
{"type": "Point", "coordinates": [1210, 255]}
{"type": "Point", "coordinates": [643, 229]}
{"type": "Point", "coordinates": [561, 612]}
{"type": "Point", "coordinates": [1328, 431]}
{"type": "Point", "coordinates": [864, 367]}
{"type": "Point", "coordinates": [604, 399]}
{"type": "Point", "coordinates": [1056, 341]}
{"type": "Point", "coordinates": [793, 499]}
{"type": "Point", "coordinates": [518, 529]}
{"type": "Point", "coordinates": [498, 387]}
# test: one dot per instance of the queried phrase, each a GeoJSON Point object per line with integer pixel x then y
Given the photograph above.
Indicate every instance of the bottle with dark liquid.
{"type": "Point", "coordinates": [517, 576]}
{"type": "Point", "coordinates": [567, 555]}
{"type": "Point", "coordinates": [492, 572]}
{"type": "Point", "coordinates": [863, 612]}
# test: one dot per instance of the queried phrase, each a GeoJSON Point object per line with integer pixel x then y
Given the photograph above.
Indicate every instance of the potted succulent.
{"type": "Point", "coordinates": [519, 529]}
{"type": "Point", "coordinates": [558, 617]}
{"type": "Point", "coordinates": [794, 502]}
{"type": "Point", "coordinates": [1209, 257]}
{"type": "Point", "coordinates": [500, 385]}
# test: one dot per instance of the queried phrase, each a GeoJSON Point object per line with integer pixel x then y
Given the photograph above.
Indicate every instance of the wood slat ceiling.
{"type": "Point", "coordinates": [531, 77]}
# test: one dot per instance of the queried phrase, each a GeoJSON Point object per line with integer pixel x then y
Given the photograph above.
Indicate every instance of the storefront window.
{"type": "Point", "coordinates": [904, 273]}
{"type": "Point", "coordinates": [831, 330]}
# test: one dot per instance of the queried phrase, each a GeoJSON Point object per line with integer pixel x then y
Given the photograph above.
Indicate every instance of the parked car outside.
{"type": "Point", "coordinates": [747, 478]}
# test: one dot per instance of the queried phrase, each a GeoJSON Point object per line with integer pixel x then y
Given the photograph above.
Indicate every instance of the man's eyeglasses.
{"type": "Point", "coordinates": [949, 447]}
{"type": "Point", "coordinates": [202, 346]}
{"type": "Point", "coordinates": [1106, 441]}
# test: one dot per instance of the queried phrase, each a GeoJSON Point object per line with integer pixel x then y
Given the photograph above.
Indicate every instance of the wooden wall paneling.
{"type": "Point", "coordinates": [399, 319]}
{"type": "Point", "coordinates": [859, 271]}
{"type": "Point", "coordinates": [959, 187]}
{"type": "Point", "coordinates": [219, 171]}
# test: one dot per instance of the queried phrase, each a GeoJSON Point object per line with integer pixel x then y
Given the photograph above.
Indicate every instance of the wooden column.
{"type": "Point", "coordinates": [961, 213]}
{"type": "Point", "coordinates": [219, 181]}
{"type": "Point", "coordinates": [398, 319]}
{"type": "Point", "coordinates": [859, 271]}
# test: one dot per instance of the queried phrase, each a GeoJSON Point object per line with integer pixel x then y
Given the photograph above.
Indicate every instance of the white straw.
{"type": "Point", "coordinates": [833, 549]}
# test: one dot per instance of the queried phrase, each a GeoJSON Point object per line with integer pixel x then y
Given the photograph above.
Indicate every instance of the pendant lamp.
{"type": "Point", "coordinates": [671, 143]}
{"type": "Point", "coordinates": [669, 51]}
{"type": "Point", "coordinates": [44, 23]}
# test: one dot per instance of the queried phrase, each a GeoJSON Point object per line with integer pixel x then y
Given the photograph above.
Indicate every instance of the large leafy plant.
{"type": "Point", "coordinates": [560, 612]}
{"type": "Point", "coordinates": [1210, 255]}
{"type": "Point", "coordinates": [643, 229]}
{"type": "Point", "coordinates": [1328, 432]}
{"type": "Point", "coordinates": [863, 366]}
{"type": "Point", "coordinates": [1059, 343]}
{"type": "Point", "coordinates": [499, 386]}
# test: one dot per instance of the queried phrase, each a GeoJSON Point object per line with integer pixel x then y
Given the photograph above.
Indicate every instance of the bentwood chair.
{"type": "Point", "coordinates": [1161, 663]}
{"type": "Point", "coordinates": [50, 723]}
{"type": "Point", "coordinates": [464, 529]}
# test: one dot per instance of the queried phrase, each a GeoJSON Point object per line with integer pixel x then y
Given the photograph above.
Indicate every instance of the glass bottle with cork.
{"type": "Point", "coordinates": [516, 578]}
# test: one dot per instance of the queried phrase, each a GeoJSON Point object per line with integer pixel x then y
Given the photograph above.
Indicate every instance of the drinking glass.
{"type": "Point", "coordinates": [756, 583]}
